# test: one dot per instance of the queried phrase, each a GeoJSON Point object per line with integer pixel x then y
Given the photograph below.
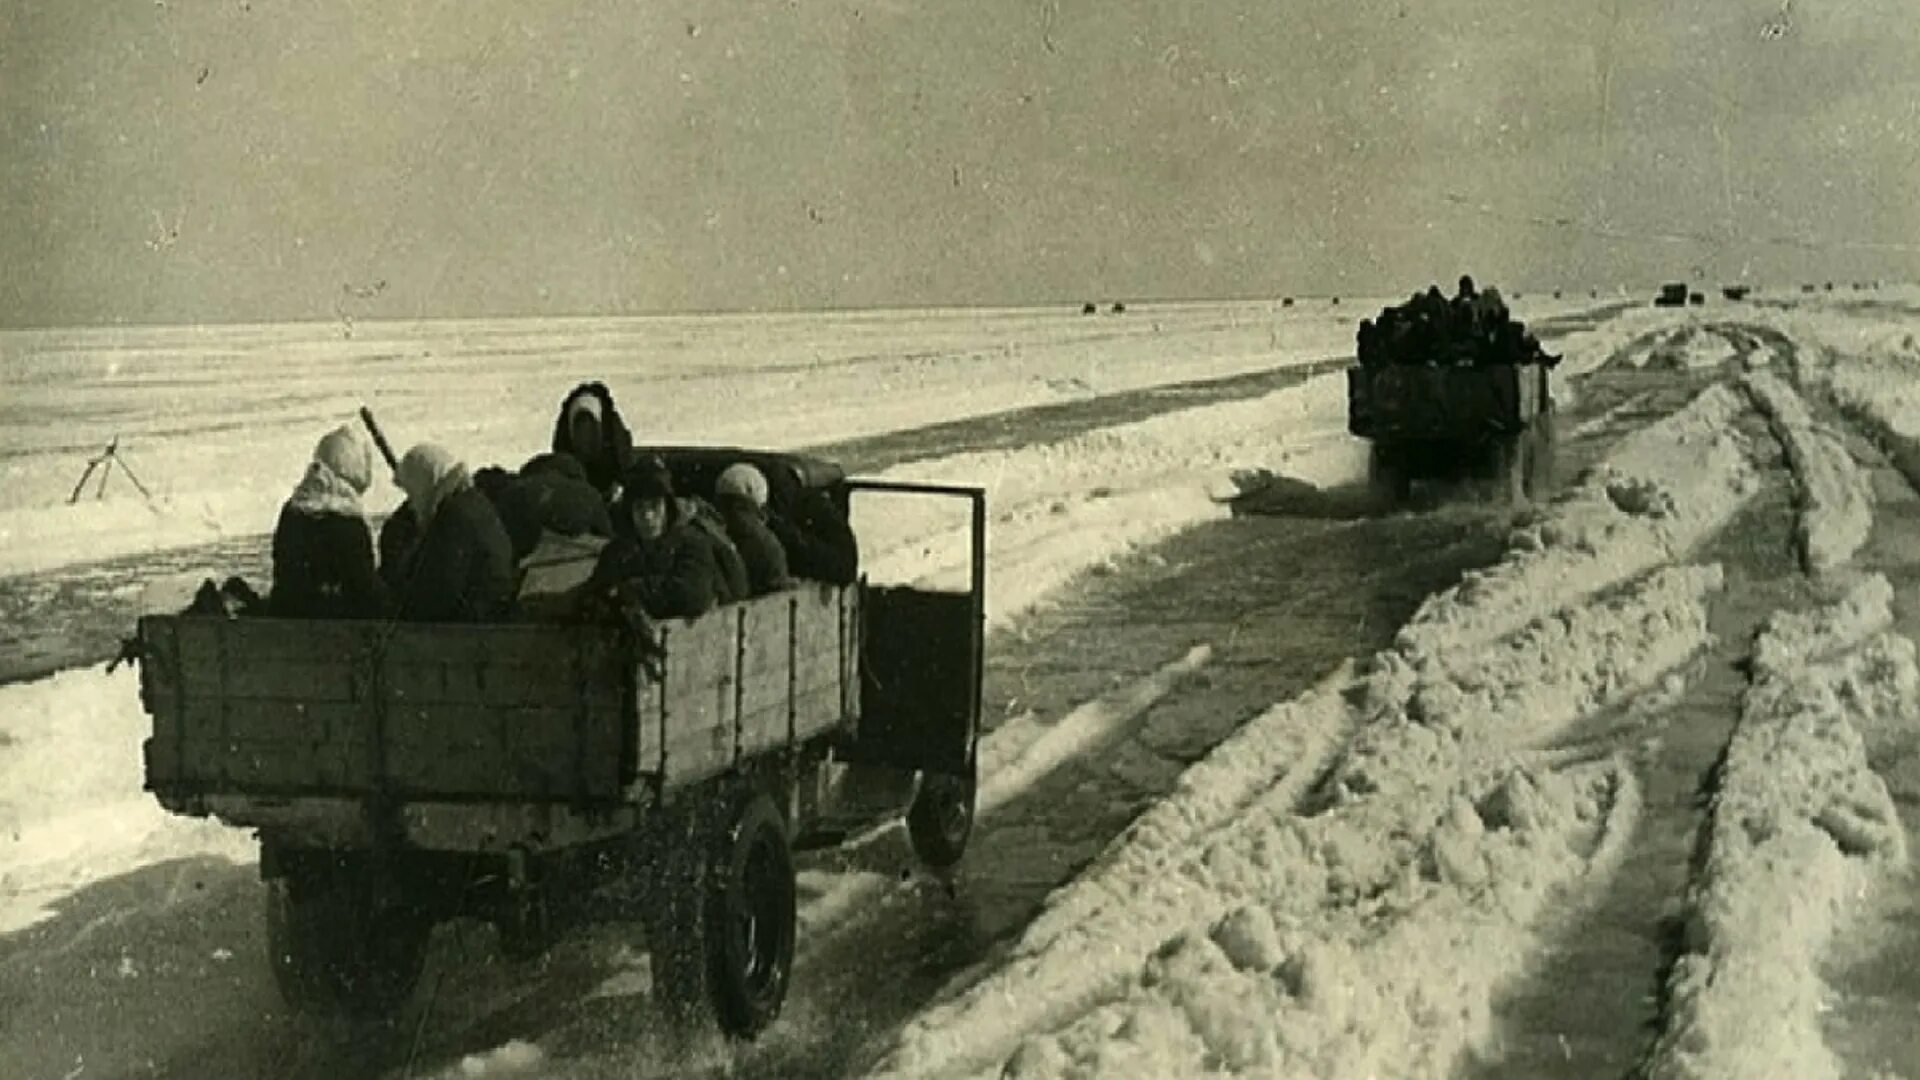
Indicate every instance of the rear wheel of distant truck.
{"type": "Point", "coordinates": [940, 820]}
{"type": "Point", "coordinates": [337, 948]}
{"type": "Point", "coordinates": [724, 918]}
{"type": "Point", "coordinates": [1516, 468]}
{"type": "Point", "coordinates": [1387, 477]}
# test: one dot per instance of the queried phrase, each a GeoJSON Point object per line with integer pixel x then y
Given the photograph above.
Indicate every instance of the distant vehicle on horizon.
{"type": "Point", "coordinates": [1672, 294]}
{"type": "Point", "coordinates": [1735, 292]}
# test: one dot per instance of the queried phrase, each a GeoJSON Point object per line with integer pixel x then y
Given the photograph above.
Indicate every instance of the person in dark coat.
{"type": "Point", "coordinates": [590, 430]}
{"type": "Point", "coordinates": [550, 494]}
{"type": "Point", "coordinates": [460, 569]}
{"type": "Point", "coordinates": [740, 494]}
{"type": "Point", "coordinates": [703, 519]}
{"type": "Point", "coordinates": [819, 543]}
{"type": "Point", "coordinates": [657, 562]}
{"type": "Point", "coordinates": [323, 564]}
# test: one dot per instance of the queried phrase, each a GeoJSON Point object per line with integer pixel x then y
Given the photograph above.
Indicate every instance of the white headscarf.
{"type": "Point", "coordinates": [341, 469]}
{"type": "Point", "coordinates": [430, 474]}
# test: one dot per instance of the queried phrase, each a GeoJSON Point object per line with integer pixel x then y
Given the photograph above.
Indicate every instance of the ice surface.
{"type": "Point", "coordinates": [1801, 829]}
{"type": "Point", "coordinates": [219, 421]}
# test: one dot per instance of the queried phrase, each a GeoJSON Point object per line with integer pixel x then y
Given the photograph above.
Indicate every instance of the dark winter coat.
{"type": "Point", "coordinates": [606, 463]}
{"type": "Point", "coordinates": [670, 577]}
{"type": "Point", "coordinates": [704, 520]}
{"type": "Point", "coordinates": [819, 543]}
{"type": "Point", "coordinates": [764, 559]}
{"type": "Point", "coordinates": [323, 568]}
{"type": "Point", "coordinates": [398, 534]}
{"type": "Point", "coordinates": [322, 548]}
{"type": "Point", "coordinates": [461, 570]}
{"type": "Point", "coordinates": [551, 501]}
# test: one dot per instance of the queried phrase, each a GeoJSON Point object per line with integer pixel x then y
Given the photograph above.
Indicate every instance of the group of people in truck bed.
{"type": "Point", "coordinates": [1471, 329]}
{"type": "Point", "coordinates": [586, 531]}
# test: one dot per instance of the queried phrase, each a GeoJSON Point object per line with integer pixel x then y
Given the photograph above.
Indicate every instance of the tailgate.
{"type": "Point", "coordinates": [280, 707]}
{"type": "Point", "coordinates": [1429, 402]}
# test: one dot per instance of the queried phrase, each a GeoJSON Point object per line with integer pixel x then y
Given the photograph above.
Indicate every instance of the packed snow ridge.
{"type": "Point", "coordinates": [1800, 830]}
{"type": "Point", "coordinates": [1257, 921]}
{"type": "Point", "coordinates": [1835, 499]}
{"type": "Point", "coordinates": [1644, 506]}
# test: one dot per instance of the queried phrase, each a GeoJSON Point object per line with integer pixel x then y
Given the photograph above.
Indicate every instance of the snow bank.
{"type": "Point", "coordinates": [1427, 821]}
{"type": "Point", "coordinates": [1285, 991]}
{"type": "Point", "coordinates": [1801, 827]}
{"type": "Point", "coordinates": [1060, 508]}
{"type": "Point", "coordinates": [1836, 501]}
{"type": "Point", "coordinates": [1661, 491]}
{"type": "Point", "coordinates": [72, 811]}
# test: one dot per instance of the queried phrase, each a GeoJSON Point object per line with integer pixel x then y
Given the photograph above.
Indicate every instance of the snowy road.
{"type": "Point", "coordinates": [1507, 775]}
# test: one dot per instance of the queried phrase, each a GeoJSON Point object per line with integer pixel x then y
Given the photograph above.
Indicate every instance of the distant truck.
{"type": "Point", "coordinates": [539, 776]}
{"type": "Point", "coordinates": [1735, 292]}
{"type": "Point", "coordinates": [1432, 422]}
{"type": "Point", "coordinates": [1672, 294]}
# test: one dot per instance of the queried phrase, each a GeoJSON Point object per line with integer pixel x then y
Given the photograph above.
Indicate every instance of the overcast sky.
{"type": "Point", "coordinates": [222, 160]}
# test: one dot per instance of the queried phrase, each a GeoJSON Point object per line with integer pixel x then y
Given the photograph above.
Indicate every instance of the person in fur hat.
{"type": "Point", "coordinates": [590, 430]}
{"type": "Point", "coordinates": [460, 569]}
{"type": "Point", "coordinates": [658, 562]}
{"type": "Point", "coordinates": [322, 547]}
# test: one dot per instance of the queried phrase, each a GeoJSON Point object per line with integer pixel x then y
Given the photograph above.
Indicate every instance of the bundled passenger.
{"type": "Point", "coordinates": [818, 540]}
{"type": "Point", "coordinates": [657, 562]}
{"type": "Point", "coordinates": [550, 494]}
{"type": "Point", "coordinates": [741, 496]}
{"type": "Point", "coordinates": [459, 567]}
{"type": "Point", "coordinates": [700, 515]}
{"type": "Point", "coordinates": [323, 564]}
{"type": "Point", "coordinates": [590, 430]}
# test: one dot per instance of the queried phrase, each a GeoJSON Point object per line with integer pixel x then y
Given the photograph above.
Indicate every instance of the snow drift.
{"type": "Point", "coordinates": [1431, 830]}
{"type": "Point", "coordinates": [1800, 829]}
{"type": "Point", "coordinates": [1662, 490]}
{"type": "Point", "coordinates": [1835, 499]}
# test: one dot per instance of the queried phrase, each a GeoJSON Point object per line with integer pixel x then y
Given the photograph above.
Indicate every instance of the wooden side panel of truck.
{"type": "Point", "coordinates": [505, 713]}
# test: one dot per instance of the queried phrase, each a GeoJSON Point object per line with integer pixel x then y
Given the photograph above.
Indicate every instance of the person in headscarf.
{"type": "Point", "coordinates": [590, 430]}
{"type": "Point", "coordinates": [460, 569]}
{"type": "Point", "coordinates": [658, 562]}
{"type": "Point", "coordinates": [322, 547]}
{"type": "Point", "coordinates": [740, 494]}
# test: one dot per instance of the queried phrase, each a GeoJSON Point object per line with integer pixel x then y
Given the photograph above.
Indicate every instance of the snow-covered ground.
{"type": "Point", "coordinates": [1342, 887]}
{"type": "Point", "coordinates": [1233, 935]}
{"type": "Point", "coordinates": [1801, 830]}
{"type": "Point", "coordinates": [218, 422]}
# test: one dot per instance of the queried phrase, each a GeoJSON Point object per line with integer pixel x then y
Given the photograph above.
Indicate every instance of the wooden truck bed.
{"type": "Point", "coordinates": [1433, 402]}
{"type": "Point", "coordinates": [509, 713]}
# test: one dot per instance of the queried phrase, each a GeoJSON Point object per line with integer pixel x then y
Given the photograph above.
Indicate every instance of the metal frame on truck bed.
{"type": "Point", "coordinates": [540, 775]}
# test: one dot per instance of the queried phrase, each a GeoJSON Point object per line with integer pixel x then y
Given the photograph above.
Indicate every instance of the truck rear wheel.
{"type": "Point", "coordinates": [1387, 479]}
{"type": "Point", "coordinates": [335, 950]}
{"type": "Point", "coordinates": [722, 930]}
{"type": "Point", "coordinates": [1516, 468]}
{"type": "Point", "coordinates": [940, 821]}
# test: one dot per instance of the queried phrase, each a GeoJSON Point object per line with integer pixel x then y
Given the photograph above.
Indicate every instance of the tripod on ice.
{"type": "Point", "coordinates": [105, 462]}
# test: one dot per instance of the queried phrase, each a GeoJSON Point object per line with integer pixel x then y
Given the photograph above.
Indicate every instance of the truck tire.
{"type": "Point", "coordinates": [334, 952]}
{"type": "Point", "coordinates": [1516, 462]}
{"type": "Point", "coordinates": [1389, 483]}
{"type": "Point", "coordinates": [940, 820]}
{"type": "Point", "coordinates": [723, 927]}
